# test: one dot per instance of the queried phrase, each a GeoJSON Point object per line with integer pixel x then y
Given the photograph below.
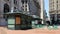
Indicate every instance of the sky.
{"type": "Point", "coordinates": [47, 6]}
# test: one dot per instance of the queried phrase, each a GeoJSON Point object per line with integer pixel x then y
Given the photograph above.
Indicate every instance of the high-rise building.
{"type": "Point", "coordinates": [54, 10]}
{"type": "Point", "coordinates": [28, 6]}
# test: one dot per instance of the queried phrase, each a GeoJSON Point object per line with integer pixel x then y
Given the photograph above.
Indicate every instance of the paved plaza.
{"type": "Point", "coordinates": [4, 30]}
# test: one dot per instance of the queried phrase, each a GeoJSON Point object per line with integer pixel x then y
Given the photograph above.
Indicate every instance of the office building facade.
{"type": "Point", "coordinates": [54, 10]}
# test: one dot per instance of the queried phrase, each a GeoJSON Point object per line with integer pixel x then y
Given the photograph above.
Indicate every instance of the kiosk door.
{"type": "Point", "coordinates": [18, 22]}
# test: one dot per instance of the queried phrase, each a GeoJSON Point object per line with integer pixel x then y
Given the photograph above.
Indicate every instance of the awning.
{"type": "Point", "coordinates": [34, 17]}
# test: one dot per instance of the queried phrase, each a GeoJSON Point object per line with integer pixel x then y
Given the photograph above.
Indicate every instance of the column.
{"type": "Point", "coordinates": [11, 6]}
{"type": "Point", "coordinates": [28, 8]}
{"type": "Point", "coordinates": [19, 5]}
{"type": "Point", "coordinates": [24, 6]}
{"type": "Point", "coordinates": [42, 10]}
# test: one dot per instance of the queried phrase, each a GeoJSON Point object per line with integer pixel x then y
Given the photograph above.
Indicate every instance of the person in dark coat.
{"type": "Point", "coordinates": [48, 23]}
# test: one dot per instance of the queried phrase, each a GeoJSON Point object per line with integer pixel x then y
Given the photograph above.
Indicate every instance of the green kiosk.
{"type": "Point", "coordinates": [20, 21]}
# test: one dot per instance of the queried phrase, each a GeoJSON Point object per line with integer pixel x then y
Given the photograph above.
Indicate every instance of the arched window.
{"type": "Point", "coordinates": [6, 8]}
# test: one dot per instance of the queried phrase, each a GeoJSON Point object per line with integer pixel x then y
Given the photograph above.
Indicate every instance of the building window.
{"type": "Point", "coordinates": [57, 1]}
{"type": "Point", "coordinates": [26, 9]}
{"type": "Point", "coordinates": [7, 0]}
{"type": "Point", "coordinates": [23, 9]}
{"type": "Point", "coordinates": [26, 1]}
{"type": "Point", "coordinates": [15, 2]}
{"type": "Point", "coordinates": [25, 5]}
{"type": "Point", "coordinates": [6, 8]}
{"type": "Point", "coordinates": [15, 9]}
{"type": "Point", "coordinates": [22, 1]}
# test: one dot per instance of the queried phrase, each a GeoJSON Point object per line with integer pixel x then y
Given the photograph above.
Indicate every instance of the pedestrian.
{"type": "Point", "coordinates": [47, 23]}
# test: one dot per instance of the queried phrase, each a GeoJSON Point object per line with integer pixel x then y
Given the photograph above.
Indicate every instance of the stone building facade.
{"type": "Point", "coordinates": [28, 6]}
{"type": "Point", "coordinates": [54, 10]}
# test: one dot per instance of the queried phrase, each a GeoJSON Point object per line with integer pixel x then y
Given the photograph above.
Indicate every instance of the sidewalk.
{"type": "Point", "coordinates": [32, 31]}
